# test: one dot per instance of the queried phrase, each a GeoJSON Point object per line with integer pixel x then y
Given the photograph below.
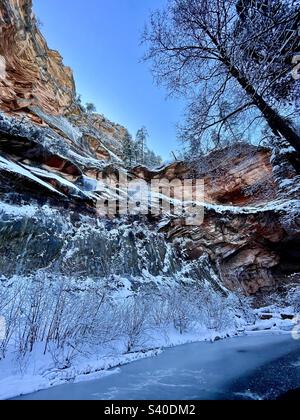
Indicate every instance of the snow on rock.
{"type": "Point", "coordinates": [16, 169]}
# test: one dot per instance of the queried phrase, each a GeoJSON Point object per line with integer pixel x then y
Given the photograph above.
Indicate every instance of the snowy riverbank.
{"type": "Point", "coordinates": [259, 367]}
{"type": "Point", "coordinates": [38, 371]}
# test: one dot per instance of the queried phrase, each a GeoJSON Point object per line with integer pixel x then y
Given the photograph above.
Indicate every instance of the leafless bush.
{"type": "Point", "coordinates": [215, 310]}
{"type": "Point", "coordinates": [10, 303]}
{"type": "Point", "coordinates": [160, 313]}
{"type": "Point", "coordinates": [71, 318]}
{"type": "Point", "coordinates": [181, 309]}
{"type": "Point", "coordinates": [134, 315]}
{"type": "Point", "coordinates": [294, 298]}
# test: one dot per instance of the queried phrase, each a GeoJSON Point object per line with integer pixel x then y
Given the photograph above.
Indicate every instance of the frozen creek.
{"type": "Point", "coordinates": [262, 366]}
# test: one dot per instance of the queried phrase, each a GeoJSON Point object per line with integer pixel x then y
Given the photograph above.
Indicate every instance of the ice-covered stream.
{"type": "Point", "coordinates": [220, 370]}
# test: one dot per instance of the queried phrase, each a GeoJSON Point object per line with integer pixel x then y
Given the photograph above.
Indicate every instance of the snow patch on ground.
{"type": "Point", "coordinates": [38, 371]}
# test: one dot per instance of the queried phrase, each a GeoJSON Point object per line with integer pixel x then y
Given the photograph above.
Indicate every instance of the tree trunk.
{"type": "Point", "coordinates": [278, 124]}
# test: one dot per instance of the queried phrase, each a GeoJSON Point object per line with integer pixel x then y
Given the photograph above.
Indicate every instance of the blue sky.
{"type": "Point", "coordinates": [100, 40]}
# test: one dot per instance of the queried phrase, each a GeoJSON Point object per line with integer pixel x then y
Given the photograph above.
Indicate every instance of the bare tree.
{"type": "Point", "coordinates": [10, 307]}
{"type": "Point", "coordinates": [181, 309]}
{"type": "Point", "coordinates": [133, 314]}
{"type": "Point", "coordinates": [228, 54]}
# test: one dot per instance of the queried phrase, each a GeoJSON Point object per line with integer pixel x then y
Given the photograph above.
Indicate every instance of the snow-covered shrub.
{"type": "Point", "coordinates": [214, 310]}
{"type": "Point", "coordinates": [53, 311]}
{"type": "Point", "coordinates": [134, 314]}
{"type": "Point", "coordinates": [11, 297]}
{"type": "Point", "coordinates": [181, 309]}
{"type": "Point", "coordinates": [69, 317]}
{"type": "Point", "coordinates": [294, 298]}
{"type": "Point", "coordinates": [160, 311]}
{"type": "Point", "coordinates": [242, 306]}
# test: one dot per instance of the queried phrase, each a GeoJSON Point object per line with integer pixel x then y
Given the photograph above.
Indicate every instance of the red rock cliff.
{"type": "Point", "coordinates": [35, 74]}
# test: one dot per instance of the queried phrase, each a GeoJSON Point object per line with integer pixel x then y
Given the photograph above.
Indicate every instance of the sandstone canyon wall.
{"type": "Point", "coordinates": [35, 74]}
{"type": "Point", "coordinates": [51, 153]}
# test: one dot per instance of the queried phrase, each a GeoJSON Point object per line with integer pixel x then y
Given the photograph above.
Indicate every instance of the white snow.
{"type": "Point", "coordinates": [61, 123]}
{"type": "Point", "coordinates": [20, 376]}
{"type": "Point", "coordinates": [17, 211]}
{"type": "Point", "coordinates": [39, 372]}
{"type": "Point", "coordinates": [62, 181]}
{"type": "Point", "coordinates": [19, 170]}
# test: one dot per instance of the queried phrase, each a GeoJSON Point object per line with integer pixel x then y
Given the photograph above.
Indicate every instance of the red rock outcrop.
{"type": "Point", "coordinates": [35, 86]}
{"type": "Point", "coordinates": [240, 175]}
{"type": "Point", "coordinates": [251, 228]}
{"type": "Point", "coordinates": [35, 75]}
